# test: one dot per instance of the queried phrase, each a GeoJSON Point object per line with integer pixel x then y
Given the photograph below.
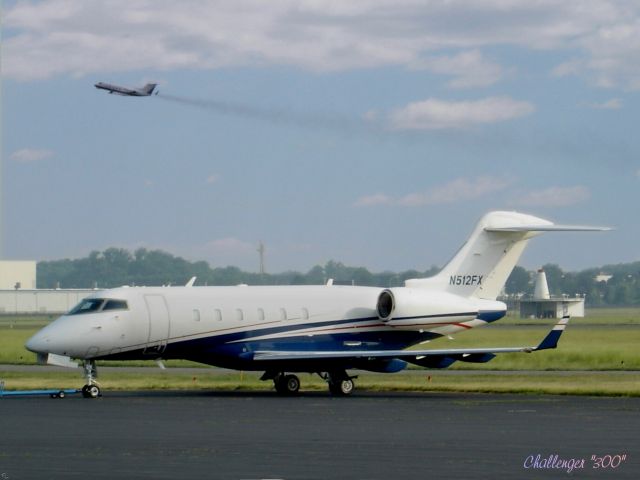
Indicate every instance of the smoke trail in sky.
{"type": "Point", "coordinates": [275, 115]}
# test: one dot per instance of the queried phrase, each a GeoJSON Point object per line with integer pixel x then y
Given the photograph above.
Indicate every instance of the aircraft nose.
{"type": "Point", "coordinates": [38, 343]}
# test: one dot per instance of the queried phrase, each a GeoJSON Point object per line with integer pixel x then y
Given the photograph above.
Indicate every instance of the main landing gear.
{"type": "Point", "coordinates": [285, 384]}
{"type": "Point", "coordinates": [91, 388]}
{"type": "Point", "coordinates": [340, 384]}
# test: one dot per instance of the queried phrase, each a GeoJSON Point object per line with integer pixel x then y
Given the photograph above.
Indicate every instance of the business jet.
{"type": "Point", "coordinates": [129, 92]}
{"type": "Point", "coordinates": [326, 329]}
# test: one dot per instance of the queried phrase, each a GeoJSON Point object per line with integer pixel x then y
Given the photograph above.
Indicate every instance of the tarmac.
{"type": "Point", "coordinates": [249, 435]}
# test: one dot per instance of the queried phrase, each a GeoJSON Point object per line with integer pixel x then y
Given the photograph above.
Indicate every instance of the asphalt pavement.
{"type": "Point", "coordinates": [249, 435]}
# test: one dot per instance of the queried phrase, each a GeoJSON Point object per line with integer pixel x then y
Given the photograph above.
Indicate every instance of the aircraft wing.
{"type": "Point", "coordinates": [415, 356]}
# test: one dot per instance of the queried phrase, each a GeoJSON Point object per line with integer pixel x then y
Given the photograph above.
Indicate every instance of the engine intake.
{"type": "Point", "coordinates": [417, 309]}
{"type": "Point", "coordinates": [386, 305]}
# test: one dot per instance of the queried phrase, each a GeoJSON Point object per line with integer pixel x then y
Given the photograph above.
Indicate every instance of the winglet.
{"type": "Point", "coordinates": [191, 281]}
{"type": "Point", "coordinates": [551, 340]}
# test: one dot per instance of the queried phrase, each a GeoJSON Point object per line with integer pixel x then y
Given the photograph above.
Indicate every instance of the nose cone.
{"type": "Point", "coordinates": [38, 343]}
{"type": "Point", "coordinates": [51, 339]}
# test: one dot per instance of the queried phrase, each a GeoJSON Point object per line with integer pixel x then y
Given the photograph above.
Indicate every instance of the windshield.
{"type": "Point", "coordinates": [93, 305]}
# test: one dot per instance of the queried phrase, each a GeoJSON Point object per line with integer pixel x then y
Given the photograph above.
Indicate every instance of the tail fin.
{"type": "Point", "coordinates": [148, 88]}
{"type": "Point", "coordinates": [481, 267]}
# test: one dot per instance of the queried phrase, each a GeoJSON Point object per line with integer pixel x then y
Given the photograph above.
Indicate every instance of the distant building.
{"type": "Point", "coordinates": [603, 277]}
{"type": "Point", "coordinates": [18, 294]}
{"type": "Point", "coordinates": [543, 305]}
{"type": "Point", "coordinates": [40, 302]}
{"type": "Point", "coordinates": [17, 274]}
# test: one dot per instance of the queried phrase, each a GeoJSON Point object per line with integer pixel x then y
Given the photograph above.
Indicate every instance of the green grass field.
{"type": "Point", "coordinates": [605, 340]}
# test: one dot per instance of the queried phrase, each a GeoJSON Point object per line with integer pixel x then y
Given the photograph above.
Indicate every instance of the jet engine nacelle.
{"type": "Point", "coordinates": [417, 308]}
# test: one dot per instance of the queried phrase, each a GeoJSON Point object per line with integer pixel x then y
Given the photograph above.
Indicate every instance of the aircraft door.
{"type": "Point", "coordinates": [159, 324]}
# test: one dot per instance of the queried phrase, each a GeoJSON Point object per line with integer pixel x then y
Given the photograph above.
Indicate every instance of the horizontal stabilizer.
{"type": "Point", "coordinates": [548, 228]}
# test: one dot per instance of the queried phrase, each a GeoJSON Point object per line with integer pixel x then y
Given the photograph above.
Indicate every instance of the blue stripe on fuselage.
{"type": "Point", "coordinates": [240, 344]}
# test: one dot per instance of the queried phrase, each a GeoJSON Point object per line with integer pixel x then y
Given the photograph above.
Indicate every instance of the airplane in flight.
{"type": "Point", "coordinates": [129, 92]}
{"type": "Point", "coordinates": [325, 329]}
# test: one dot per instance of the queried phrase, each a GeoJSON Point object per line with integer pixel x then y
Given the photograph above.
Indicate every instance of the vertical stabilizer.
{"type": "Point", "coordinates": [148, 88]}
{"type": "Point", "coordinates": [481, 267]}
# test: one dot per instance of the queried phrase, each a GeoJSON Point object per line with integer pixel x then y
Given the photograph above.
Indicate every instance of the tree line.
{"type": "Point", "coordinates": [115, 267]}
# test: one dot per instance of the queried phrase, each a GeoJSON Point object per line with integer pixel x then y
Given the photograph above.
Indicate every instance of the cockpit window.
{"type": "Point", "coordinates": [94, 305]}
{"type": "Point", "coordinates": [115, 305]}
{"type": "Point", "coordinates": [88, 305]}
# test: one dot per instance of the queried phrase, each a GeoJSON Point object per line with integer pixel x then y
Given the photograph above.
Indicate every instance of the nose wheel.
{"type": "Point", "coordinates": [91, 391]}
{"type": "Point", "coordinates": [91, 388]}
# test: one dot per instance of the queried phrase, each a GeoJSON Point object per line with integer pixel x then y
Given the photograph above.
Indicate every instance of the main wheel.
{"type": "Point", "coordinates": [342, 387]}
{"type": "Point", "coordinates": [292, 384]}
{"type": "Point", "coordinates": [287, 384]}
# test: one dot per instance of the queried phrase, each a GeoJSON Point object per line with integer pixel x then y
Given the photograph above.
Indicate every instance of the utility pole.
{"type": "Point", "coordinates": [261, 251]}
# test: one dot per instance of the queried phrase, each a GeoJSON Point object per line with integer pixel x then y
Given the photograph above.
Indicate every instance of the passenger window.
{"type": "Point", "coordinates": [196, 315]}
{"type": "Point", "coordinates": [217, 315]}
{"type": "Point", "coordinates": [239, 314]}
{"type": "Point", "coordinates": [283, 314]}
{"type": "Point", "coordinates": [260, 315]}
{"type": "Point", "coordinates": [305, 314]}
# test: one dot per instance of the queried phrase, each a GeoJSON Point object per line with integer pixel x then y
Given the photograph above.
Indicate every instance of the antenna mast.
{"type": "Point", "coordinates": [261, 251]}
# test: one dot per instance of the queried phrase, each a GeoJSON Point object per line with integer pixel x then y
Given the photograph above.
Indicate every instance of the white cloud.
{"type": "Point", "coordinates": [370, 116]}
{"type": "Point", "coordinates": [434, 114]}
{"type": "Point", "coordinates": [373, 200]}
{"type": "Point", "coordinates": [458, 190]}
{"type": "Point", "coordinates": [611, 104]}
{"type": "Point", "coordinates": [571, 67]}
{"type": "Point", "coordinates": [554, 197]}
{"type": "Point", "coordinates": [469, 69]}
{"type": "Point", "coordinates": [64, 37]}
{"type": "Point", "coordinates": [28, 155]}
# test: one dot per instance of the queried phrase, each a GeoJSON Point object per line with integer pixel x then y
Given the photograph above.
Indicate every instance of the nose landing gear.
{"type": "Point", "coordinates": [91, 388]}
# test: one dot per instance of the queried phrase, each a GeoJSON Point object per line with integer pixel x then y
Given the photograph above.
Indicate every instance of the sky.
{"type": "Point", "coordinates": [375, 133]}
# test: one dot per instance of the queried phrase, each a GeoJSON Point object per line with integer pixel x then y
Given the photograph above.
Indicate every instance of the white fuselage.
{"type": "Point", "coordinates": [224, 325]}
